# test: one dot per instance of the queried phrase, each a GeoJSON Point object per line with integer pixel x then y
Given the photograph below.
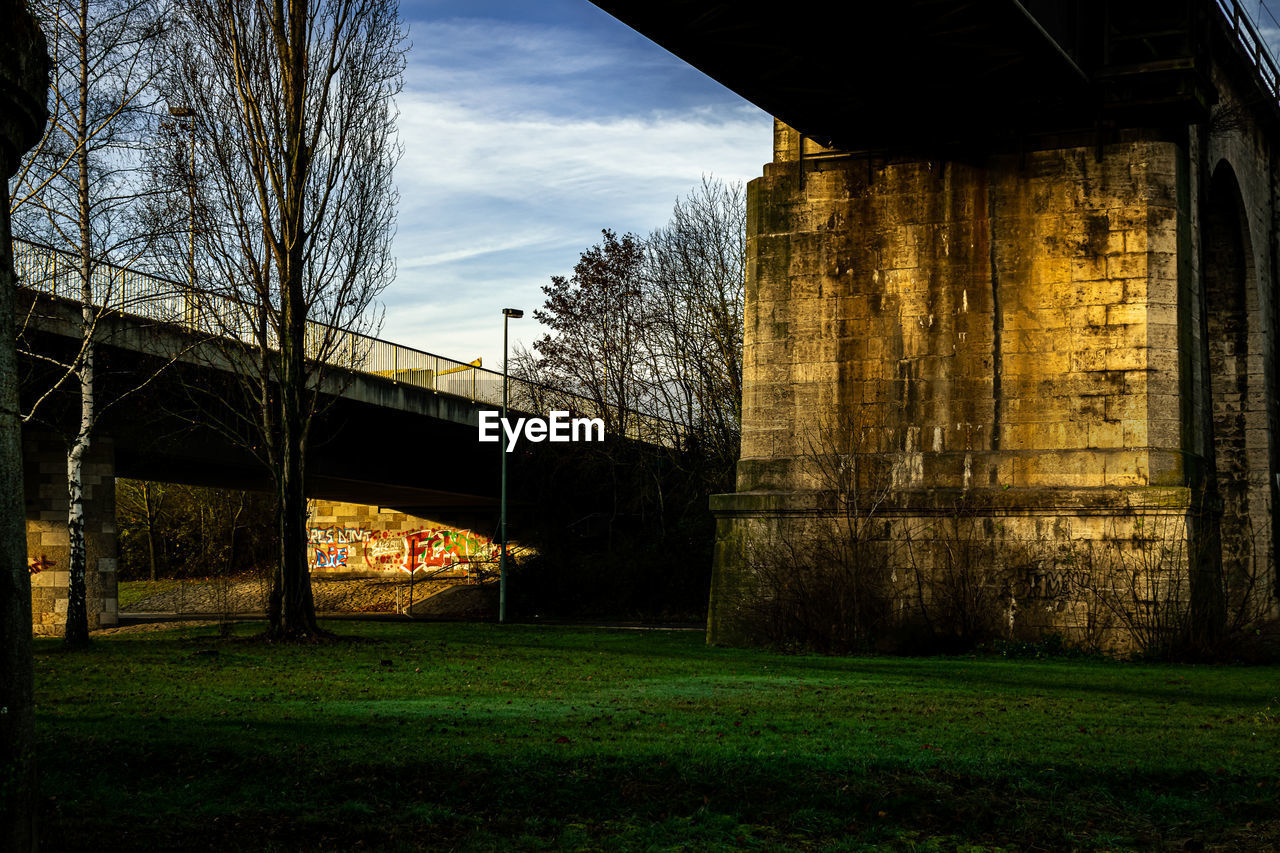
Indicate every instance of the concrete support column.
{"type": "Point", "coordinates": [48, 549]}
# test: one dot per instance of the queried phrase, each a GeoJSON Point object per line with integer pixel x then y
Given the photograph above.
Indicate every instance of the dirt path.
{"type": "Point", "coordinates": [441, 598]}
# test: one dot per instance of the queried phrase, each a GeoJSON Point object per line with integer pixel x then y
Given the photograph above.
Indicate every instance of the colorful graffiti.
{"type": "Point", "coordinates": [339, 535]}
{"type": "Point", "coordinates": [410, 551]}
{"type": "Point", "coordinates": [427, 548]}
{"type": "Point", "coordinates": [38, 566]}
{"type": "Point", "coordinates": [331, 557]}
{"type": "Point", "coordinates": [440, 547]}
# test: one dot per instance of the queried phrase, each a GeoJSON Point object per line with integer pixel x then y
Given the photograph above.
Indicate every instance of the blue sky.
{"type": "Point", "coordinates": [528, 127]}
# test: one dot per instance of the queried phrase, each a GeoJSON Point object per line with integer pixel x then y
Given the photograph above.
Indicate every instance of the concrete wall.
{"type": "Point", "coordinates": [48, 549]}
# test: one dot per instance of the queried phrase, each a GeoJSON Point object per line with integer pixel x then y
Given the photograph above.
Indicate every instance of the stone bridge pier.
{"type": "Point", "coordinates": [1010, 326]}
{"type": "Point", "coordinates": [1044, 371]}
{"type": "Point", "coordinates": [48, 548]}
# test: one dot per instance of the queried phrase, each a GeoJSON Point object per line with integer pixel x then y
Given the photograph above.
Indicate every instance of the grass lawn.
{"type": "Point", "coordinates": [484, 737]}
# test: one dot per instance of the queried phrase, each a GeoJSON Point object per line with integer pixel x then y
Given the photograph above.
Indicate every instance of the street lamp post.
{"type": "Point", "coordinates": [507, 315]}
{"type": "Point", "coordinates": [190, 115]}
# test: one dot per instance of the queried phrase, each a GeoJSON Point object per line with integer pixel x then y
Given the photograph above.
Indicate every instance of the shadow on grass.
{"type": "Point", "coordinates": [497, 738]}
{"type": "Point", "coordinates": [219, 784]}
{"type": "Point", "coordinates": [210, 792]}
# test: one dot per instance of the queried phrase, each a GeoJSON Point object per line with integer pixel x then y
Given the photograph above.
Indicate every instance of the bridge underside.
{"type": "Point", "coordinates": [372, 441]}
{"type": "Point", "coordinates": [1009, 356]}
{"type": "Point", "coordinates": [903, 69]}
{"type": "Point", "coordinates": [375, 442]}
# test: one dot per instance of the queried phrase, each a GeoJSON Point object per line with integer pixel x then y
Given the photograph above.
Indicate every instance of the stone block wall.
{"type": "Point", "coordinates": [1007, 324]}
{"type": "Point", "coordinates": [48, 549]}
{"type": "Point", "coordinates": [1018, 339]}
{"type": "Point", "coordinates": [951, 571]}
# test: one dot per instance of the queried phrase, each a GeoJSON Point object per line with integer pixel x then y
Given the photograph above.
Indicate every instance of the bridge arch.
{"type": "Point", "coordinates": [1237, 449]}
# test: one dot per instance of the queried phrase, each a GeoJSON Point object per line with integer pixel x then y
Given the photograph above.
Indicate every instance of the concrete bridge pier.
{"type": "Point", "coordinates": [48, 550]}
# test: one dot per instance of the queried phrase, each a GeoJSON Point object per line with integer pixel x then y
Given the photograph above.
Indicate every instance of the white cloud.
{"type": "Point", "coordinates": [521, 142]}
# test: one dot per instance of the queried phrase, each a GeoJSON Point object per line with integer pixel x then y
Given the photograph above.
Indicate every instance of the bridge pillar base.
{"type": "Point", "coordinates": [920, 567]}
{"type": "Point", "coordinates": [48, 548]}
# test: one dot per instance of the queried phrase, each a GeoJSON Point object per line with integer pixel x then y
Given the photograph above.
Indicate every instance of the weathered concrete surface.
{"type": "Point", "coordinates": [1072, 343]}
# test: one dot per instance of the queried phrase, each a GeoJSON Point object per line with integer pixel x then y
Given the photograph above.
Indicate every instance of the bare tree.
{"type": "Point", "coordinates": [694, 284]}
{"type": "Point", "coordinates": [596, 317]}
{"type": "Point", "coordinates": [292, 118]}
{"type": "Point", "coordinates": [654, 326]}
{"type": "Point", "coordinates": [77, 192]}
{"type": "Point", "coordinates": [825, 582]}
{"type": "Point", "coordinates": [139, 504]}
{"type": "Point", "coordinates": [649, 331]}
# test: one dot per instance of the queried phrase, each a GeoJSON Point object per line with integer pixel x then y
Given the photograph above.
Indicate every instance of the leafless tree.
{"type": "Point", "coordinates": [141, 502]}
{"type": "Point", "coordinates": [694, 281]}
{"type": "Point", "coordinates": [597, 322]}
{"type": "Point", "coordinates": [291, 114]}
{"type": "Point", "coordinates": [650, 330]}
{"type": "Point", "coordinates": [77, 192]}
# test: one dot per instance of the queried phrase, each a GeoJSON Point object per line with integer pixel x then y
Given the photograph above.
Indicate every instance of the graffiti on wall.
{"type": "Point", "coordinates": [331, 557]}
{"type": "Point", "coordinates": [426, 548]}
{"type": "Point", "coordinates": [340, 535]}
{"type": "Point", "coordinates": [406, 550]}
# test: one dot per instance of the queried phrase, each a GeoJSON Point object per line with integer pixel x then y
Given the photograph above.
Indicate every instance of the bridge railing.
{"type": "Point", "coordinates": [153, 297]}
{"type": "Point", "coordinates": [112, 287]}
{"type": "Point", "coordinates": [1254, 47]}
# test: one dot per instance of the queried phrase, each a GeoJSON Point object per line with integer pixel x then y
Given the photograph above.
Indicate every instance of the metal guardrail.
{"type": "Point", "coordinates": [1254, 47]}
{"type": "Point", "coordinates": [156, 298]}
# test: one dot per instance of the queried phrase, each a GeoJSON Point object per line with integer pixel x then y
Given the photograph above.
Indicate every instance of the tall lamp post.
{"type": "Point", "coordinates": [508, 314]}
{"type": "Point", "coordinates": [190, 115]}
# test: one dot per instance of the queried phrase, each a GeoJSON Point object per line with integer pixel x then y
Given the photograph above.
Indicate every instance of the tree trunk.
{"type": "Point", "coordinates": [150, 511]}
{"type": "Point", "coordinates": [77, 629]}
{"type": "Point", "coordinates": [23, 71]}
{"type": "Point", "coordinates": [293, 609]}
{"type": "Point", "coordinates": [17, 698]}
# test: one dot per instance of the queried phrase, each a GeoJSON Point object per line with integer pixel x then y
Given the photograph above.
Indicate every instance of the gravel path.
{"type": "Point", "coordinates": [441, 598]}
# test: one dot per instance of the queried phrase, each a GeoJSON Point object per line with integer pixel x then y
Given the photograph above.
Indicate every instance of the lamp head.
{"type": "Point", "coordinates": [513, 313]}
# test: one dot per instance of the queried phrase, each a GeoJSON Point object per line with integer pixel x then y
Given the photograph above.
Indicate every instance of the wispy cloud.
{"type": "Point", "coordinates": [522, 140]}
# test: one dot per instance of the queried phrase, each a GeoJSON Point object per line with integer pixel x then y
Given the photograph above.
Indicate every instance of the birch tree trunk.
{"type": "Point", "coordinates": [77, 628]}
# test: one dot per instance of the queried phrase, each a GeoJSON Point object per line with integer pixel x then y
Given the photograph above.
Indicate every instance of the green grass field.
{"type": "Point", "coordinates": [483, 737]}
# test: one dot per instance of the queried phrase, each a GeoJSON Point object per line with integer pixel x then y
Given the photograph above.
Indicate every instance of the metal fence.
{"type": "Point", "coordinates": [156, 298]}
{"type": "Point", "coordinates": [1254, 47]}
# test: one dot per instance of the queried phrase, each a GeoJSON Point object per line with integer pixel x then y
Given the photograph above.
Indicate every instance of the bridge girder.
{"type": "Point", "coordinates": [918, 74]}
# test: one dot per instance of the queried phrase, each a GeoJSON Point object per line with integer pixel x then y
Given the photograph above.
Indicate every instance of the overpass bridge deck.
{"type": "Point", "coordinates": [206, 313]}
